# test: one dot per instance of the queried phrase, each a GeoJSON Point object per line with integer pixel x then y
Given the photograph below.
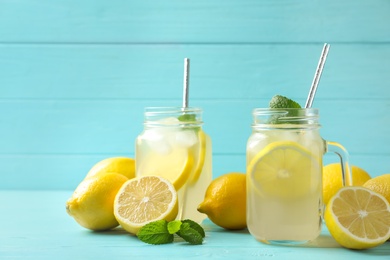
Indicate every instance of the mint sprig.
{"type": "Point", "coordinates": [189, 234]}
{"type": "Point", "coordinates": [187, 118]}
{"type": "Point", "coordinates": [162, 232]}
{"type": "Point", "coordinates": [155, 233]}
{"type": "Point", "coordinates": [279, 101]}
{"type": "Point", "coordinates": [174, 226]}
{"type": "Point", "coordinates": [282, 102]}
{"type": "Point", "coordinates": [190, 119]}
{"type": "Point", "coordinates": [195, 226]}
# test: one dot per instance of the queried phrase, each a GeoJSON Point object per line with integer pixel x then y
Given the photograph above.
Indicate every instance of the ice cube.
{"type": "Point", "coordinates": [162, 147]}
{"type": "Point", "coordinates": [153, 134]}
{"type": "Point", "coordinates": [288, 135]}
{"type": "Point", "coordinates": [312, 141]}
{"type": "Point", "coordinates": [169, 121]}
{"type": "Point", "coordinates": [257, 139]}
{"type": "Point", "coordinates": [158, 140]}
{"type": "Point", "coordinates": [185, 138]}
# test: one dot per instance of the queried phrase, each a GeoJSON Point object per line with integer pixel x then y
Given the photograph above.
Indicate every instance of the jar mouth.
{"type": "Point", "coordinates": [286, 117]}
{"type": "Point", "coordinates": [172, 110]}
{"type": "Point", "coordinates": [173, 116]}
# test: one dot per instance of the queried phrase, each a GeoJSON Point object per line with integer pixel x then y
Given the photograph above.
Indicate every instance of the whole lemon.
{"type": "Point", "coordinates": [92, 203]}
{"type": "Point", "coordinates": [380, 184]}
{"type": "Point", "coordinates": [332, 179]}
{"type": "Point", "coordinates": [121, 165]}
{"type": "Point", "coordinates": [225, 201]}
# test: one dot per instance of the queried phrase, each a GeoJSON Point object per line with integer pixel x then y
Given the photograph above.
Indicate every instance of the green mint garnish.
{"type": "Point", "coordinates": [195, 226]}
{"type": "Point", "coordinates": [155, 233]}
{"type": "Point", "coordinates": [162, 232]}
{"type": "Point", "coordinates": [187, 118]}
{"type": "Point", "coordinates": [174, 226]}
{"type": "Point", "coordinates": [279, 101]}
{"type": "Point", "coordinates": [190, 235]}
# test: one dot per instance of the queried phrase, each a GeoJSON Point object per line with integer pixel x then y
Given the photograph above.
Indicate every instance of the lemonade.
{"type": "Point", "coordinates": [284, 176]}
{"type": "Point", "coordinates": [174, 146]}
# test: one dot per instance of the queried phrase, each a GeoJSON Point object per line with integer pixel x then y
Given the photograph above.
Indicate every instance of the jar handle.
{"type": "Point", "coordinates": [344, 159]}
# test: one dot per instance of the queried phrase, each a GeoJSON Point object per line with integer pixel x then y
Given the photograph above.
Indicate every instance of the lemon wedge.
{"type": "Point", "coordinates": [175, 166]}
{"type": "Point", "coordinates": [358, 218]}
{"type": "Point", "coordinates": [143, 200]}
{"type": "Point", "coordinates": [286, 170]}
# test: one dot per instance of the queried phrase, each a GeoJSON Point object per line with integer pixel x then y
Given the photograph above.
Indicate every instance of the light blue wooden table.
{"type": "Point", "coordinates": [75, 77]}
{"type": "Point", "coordinates": [34, 225]}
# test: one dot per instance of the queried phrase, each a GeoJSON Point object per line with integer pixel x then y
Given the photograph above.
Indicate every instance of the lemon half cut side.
{"type": "Point", "coordinates": [358, 218]}
{"type": "Point", "coordinates": [143, 200]}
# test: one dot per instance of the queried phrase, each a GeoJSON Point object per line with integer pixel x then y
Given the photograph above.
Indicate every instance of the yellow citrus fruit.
{"type": "Point", "coordinates": [143, 200]}
{"type": "Point", "coordinates": [380, 184]}
{"type": "Point", "coordinates": [121, 165]}
{"type": "Point", "coordinates": [175, 166]}
{"type": "Point", "coordinates": [358, 218]}
{"type": "Point", "coordinates": [225, 201]}
{"type": "Point", "coordinates": [92, 203]}
{"type": "Point", "coordinates": [285, 170]}
{"type": "Point", "coordinates": [332, 179]}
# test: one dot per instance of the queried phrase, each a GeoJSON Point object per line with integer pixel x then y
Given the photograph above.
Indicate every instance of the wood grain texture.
{"type": "Point", "coordinates": [149, 21]}
{"type": "Point", "coordinates": [76, 76]}
{"type": "Point", "coordinates": [352, 71]}
{"type": "Point", "coordinates": [48, 232]}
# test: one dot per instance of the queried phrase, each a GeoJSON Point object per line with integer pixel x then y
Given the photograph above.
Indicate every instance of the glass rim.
{"type": "Point", "coordinates": [170, 110]}
{"type": "Point", "coordinates": [313, 110]}
{"type": "Point", "coordinates": [285, 117]}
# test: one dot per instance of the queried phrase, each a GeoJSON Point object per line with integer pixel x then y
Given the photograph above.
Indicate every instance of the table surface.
{"type": "Point", "coordinates": [34, 225]}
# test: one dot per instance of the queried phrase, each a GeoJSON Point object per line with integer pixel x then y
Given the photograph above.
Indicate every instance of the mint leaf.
{"type": "Point", "coordinates": [155, 233]}
{"type": "Point", "coordinates": [162, 232]}
{"type": "Point", "coordinates": [195, 226]}
{"type": "Point", "coordinates": [279, 101]}
{"type": "Point", "coordinates": [174, 226]}
{"type": "Point", "coordinates": [187, 118]}
{"type": "Point", "coordinates": [190, 118]}
{"type": "Point", "coordinates": [190, 235]}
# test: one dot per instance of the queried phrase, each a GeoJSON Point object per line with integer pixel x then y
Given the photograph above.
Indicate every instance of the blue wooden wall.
{"type": "Point", "coordinates": [75, 77]}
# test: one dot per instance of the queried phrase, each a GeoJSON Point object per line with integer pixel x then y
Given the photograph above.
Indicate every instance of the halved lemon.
{"type": "Point", "coordinates": [175, 166]}
{"type": "Point", "coordinates": [285, 169]}
{"type": "Point", "coordinates": [143, 200]}
{"type": "Point", "coordinates": [358, 218]}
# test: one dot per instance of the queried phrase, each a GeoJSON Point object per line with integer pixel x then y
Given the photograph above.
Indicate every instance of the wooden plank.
{"type": "Point", "coordinates": [352, 71]}
{"type": "Point", "coordinates": [111, 126]}
{"type": "Point", "coordinates": [194, 21]}
{"type": "Point", "coordinates": [65, 171]}
{"type": "Point", "coordinates": [49, 233]}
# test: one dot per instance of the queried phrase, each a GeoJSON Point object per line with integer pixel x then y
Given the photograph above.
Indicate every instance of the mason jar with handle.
{"type": "Point", "coordinates": [284, 175]}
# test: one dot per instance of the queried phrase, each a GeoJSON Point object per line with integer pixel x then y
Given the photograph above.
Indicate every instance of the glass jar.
{"type": "Point", "coordinates": [174, 146]}
{"type": "Point", "coordinates": [284, 175]}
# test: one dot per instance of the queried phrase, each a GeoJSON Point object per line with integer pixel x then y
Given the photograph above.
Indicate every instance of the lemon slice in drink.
{"type": "Point", "coordinates": [175, 166]}
{"type": "Point", "coordinates": [358, 218]}
{"type": "Point", "coordinates": [201, 156]}
{"type": "Point", "coordinates": [143, 200]}
{"type": "Point", "coordinates": [285, 170]}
